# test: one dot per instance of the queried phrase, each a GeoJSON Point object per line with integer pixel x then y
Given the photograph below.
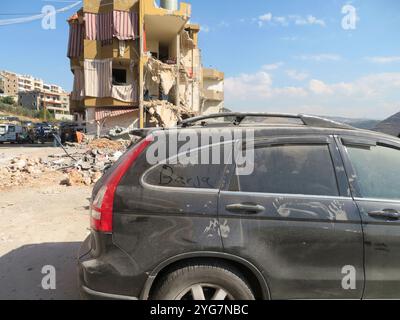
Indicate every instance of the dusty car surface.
{"type": "Point", "coordinates": [317, 217]}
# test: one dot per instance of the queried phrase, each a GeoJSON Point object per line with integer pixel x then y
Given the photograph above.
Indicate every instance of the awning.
{"type": "Point", "coordinates": [103, 113]}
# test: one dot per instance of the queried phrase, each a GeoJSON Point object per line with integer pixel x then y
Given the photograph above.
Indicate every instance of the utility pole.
{"type": "Point", "coordinates": [141, 64]}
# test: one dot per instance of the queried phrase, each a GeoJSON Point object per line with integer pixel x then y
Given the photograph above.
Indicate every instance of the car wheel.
{"type": "Point", "coordinates": [203, 282]}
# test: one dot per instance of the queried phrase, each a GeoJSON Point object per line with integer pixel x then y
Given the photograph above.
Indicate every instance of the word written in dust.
{"type": "Point", "coordinates": [168, 177]}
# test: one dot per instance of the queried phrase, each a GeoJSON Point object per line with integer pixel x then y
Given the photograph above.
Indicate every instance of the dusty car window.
{"type": "Point", "coordinates": [202, 174]}
{"type": "Point", "coordinates": [378, 171]}
{"type": "Point", "coordinates": [291, 169]}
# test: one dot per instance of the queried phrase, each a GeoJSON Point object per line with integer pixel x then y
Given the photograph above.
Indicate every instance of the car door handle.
{"type": "Point", "coordinates": [385, 214]}
{"type": "Point", "coordinates": [248, 208]}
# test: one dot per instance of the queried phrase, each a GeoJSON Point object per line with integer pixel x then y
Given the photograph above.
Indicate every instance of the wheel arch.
{"type": "Point", "coordinates": [256, 280]}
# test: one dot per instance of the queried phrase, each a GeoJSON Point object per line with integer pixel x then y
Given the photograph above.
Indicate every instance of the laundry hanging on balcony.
{"type": "Point", "coordinates": [126, 25]}
{"type": "Point", "coordinates": [99, 27]}
{"type": "Point", "coordinates": [78, 92]}
{"type": "Point", "coordinates": [126, 93]}
{"type": "Point", "coordinates": [98, 78]}
{"type": "Point", "coordinates": [103, 27]}
{"type": "Point", "coordinates": [75, 43]}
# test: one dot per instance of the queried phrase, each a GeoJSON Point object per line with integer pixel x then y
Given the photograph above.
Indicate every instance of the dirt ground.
{"type": "Point", "coordinates": [41, 225]}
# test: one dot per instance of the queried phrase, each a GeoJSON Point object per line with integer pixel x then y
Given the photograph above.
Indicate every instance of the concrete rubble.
{"type": "Point", "coordinates": [83, 165]}
{"type": "Point", "coordinates": [164, 114]}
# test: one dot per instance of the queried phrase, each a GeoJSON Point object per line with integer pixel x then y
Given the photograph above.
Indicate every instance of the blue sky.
{"type": "Point", "coordinates": [278, 55]}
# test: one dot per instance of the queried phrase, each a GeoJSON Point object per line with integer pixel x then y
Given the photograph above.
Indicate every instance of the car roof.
{"type": "Point", "coordinates": [310, 125]}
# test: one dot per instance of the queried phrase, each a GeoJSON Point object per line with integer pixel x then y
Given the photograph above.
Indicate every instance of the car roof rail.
{"type": "Point", "coordinates": [237, 119]}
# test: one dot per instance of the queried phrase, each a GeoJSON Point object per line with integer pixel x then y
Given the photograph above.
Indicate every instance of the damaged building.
{"type": "Point", "coordinates": [138, 64]}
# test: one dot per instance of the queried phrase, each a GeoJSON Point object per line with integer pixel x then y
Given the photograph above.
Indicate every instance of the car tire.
{"type": "Point", "coordinates": [203, 282]}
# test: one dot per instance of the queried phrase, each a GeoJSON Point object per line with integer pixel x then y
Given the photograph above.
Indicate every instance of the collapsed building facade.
{"type": "Point", "coordinates": [137, 64]}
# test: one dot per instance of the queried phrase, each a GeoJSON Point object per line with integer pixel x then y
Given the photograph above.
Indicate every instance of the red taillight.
{"type": "Point", "coordinates": [103, 203]}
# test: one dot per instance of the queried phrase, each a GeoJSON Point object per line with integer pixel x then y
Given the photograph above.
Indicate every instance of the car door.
{"type": "Point", "coordinates": [11, 133]}
{"type": "Point", "coordinates": [293, 217]}
{"type": "Point", "coordinates": [374, 169]}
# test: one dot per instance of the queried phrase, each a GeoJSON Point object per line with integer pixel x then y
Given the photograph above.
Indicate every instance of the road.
{"type": "Point", "coordinates": [40, 226]}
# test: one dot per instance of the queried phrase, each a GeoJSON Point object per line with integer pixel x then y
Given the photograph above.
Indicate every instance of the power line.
{"type": "Point", "coordinates": [4, 22]}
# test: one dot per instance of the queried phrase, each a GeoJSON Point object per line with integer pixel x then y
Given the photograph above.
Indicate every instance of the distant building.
{"type": "Point", "coordinates": [145, 59]}
{"type": "Point", "coordinates": [56, 103]}
{"type": "Point", "coordinates": [32, 93]}
{"type": "Point", "coordinates": [8, 84]}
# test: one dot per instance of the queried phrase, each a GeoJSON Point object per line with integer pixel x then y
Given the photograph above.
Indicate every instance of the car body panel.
{"type": "Point", "coordinates": [381, 236]}
{"type": "Point", "coordinates": [297, 247]}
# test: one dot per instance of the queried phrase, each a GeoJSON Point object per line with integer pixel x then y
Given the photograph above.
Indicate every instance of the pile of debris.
{"type": "Point", "coordinates": [80, 164]}
{"type": "Point", "coordinates": [163, 114]}
{"type": "Point", "coordinates": [24, 171]}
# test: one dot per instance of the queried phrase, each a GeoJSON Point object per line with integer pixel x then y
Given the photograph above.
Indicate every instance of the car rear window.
{"type": "Point", "coordinates": [290, 169]}
{"type": "Point", "coordinates": [200, 175]}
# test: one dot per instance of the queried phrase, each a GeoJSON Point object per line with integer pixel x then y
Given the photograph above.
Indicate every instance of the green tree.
{"type": "Point", "coordinates": [8, 100]}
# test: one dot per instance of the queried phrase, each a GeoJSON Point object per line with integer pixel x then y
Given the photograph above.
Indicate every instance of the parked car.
{"type": "Point", "coordinates": [317, 218]}
{"type": "Point", "coordinates": [10, 133]}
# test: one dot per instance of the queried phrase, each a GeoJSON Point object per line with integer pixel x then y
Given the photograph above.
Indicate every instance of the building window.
{"type": "Point", "coordinates": [119, 76]}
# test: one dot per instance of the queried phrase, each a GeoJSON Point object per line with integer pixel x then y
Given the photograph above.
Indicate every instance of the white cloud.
{"type": "Point", "coordinates": [319, 87]}
{"type": "Point", "coordinates": [383, 59]}
{"type": "Point", "coordinates": [258, 84]}
{"type": "Point", "coordinates": [223, 24]}
{"type": "Point", "coordinates": [296, 75]}
{"type": "Point", "coordinates": [205, 29]}
{"type": "Point", "coordinates": [281, 20]}
{"type": "Point", "coordinates": [285, 20]}
{"type": "Point", "coordinates": [273, 66]}
{"type": "Point", "coordinates": [309, 20]}
{"type": "Point", "coordinates": [320, 57]}
{"type": "Point", "coordinates": [372, 96]}
{"type": "Point", "coordinates": [264, 18]}
{"type": "Point", "coordinates": [292, 38]}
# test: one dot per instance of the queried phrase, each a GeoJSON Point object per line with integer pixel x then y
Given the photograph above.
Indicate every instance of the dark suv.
{"type": "Point", "coordinates": [317, 217]}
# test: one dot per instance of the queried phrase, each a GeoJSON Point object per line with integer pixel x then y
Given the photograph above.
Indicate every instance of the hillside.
{"type": "Point", "coordinates": [390, 126]}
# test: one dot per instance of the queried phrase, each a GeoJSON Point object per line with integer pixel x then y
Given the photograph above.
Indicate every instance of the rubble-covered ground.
{"type": "Point", "coordinates": [44, 202]}
{"type": "Point", "coordinates": [79, 164]}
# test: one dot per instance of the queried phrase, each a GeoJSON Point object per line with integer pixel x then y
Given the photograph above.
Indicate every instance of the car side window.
{"type": "Point", "coordinates": [199, 175]}
{"type": "Point", "coordinates": [377, 170]}
{"type": "Point", "coordinates": [290, 169]}
{"type": "Point", "coordinates": [11, 129]}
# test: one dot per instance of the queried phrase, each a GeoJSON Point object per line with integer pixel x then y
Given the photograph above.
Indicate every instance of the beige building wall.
{"type": "Point", "coordinates": [213, 91]}
{"type": "Point", "coordinates": [9, 84]}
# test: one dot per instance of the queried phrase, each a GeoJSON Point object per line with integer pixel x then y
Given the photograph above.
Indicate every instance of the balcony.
{"type": "Point", "coordinates": [213, 74]}
{"type": "Point", "coordinates": [162, 24]}
{"type": "Point", "coordinates": [213, 95]}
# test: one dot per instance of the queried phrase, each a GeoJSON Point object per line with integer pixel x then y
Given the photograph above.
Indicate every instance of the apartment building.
{"type": "Point", "coordinates": [8, 84]}
{"type": "Point", "coordinates": [213, 91]}
{"type": "Point", "coordinates": [33, 93]}
{"type": "Point", "coordinates": [135, 64]}
{"type": "Point", "coordinates": [56, 103]}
